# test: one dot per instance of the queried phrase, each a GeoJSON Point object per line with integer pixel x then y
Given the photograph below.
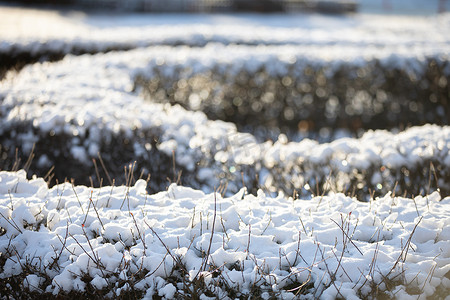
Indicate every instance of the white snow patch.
{"type": "Point", "coordinates": [263, 236]}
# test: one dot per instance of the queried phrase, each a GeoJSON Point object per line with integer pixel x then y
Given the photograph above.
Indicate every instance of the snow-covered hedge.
{"type": "Point", "coordinates": [293, 89]}
{"type": "Point", "coordinates": [76, 108]}
{"type": "Point", "coordinates": [118, 241]}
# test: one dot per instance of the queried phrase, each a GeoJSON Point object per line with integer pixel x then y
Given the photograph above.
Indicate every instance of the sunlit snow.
{"type": "Point", "coordinates": [76, 238]}
{"type": "Point", "coordinates": [255, 240]}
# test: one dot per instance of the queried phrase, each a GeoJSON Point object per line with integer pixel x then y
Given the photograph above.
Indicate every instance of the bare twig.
{"type": "Point", "coordinates": [249, 236]}
{"type": "Point", "coordinates": [96, 171]}
{"type": "Point", "coordinates": [13, 224]}
{"type": "Point", "coordinates": [208, 252]}
{"type": "Point", "coordinates": [104, 168]}
{"type": "Point", "coordinates": [347, 236]}
{"type": "Point", "coordinates": [406, 247]}
{"type": "Point", "coordinates": [27, 164]}
{"type": "Point", "coordinates": [177, 262]}
{"type": "Point", "coordinates": [76, 195]}
{"type": "Point", "coordinates": [96, 212]}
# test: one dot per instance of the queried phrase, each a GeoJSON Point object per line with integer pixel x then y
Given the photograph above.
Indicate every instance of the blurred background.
{"type": "Point", "coordinates": [322, 6]}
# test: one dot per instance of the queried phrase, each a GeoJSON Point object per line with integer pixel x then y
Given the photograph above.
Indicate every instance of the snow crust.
{"type": "Point", "coordinates": [269, 242]}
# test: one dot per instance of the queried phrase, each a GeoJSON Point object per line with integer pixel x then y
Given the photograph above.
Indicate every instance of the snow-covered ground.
{"type": "Point", "coordinates": [74, 238]}
{"type": "Point", "coordinates": [120, 239]}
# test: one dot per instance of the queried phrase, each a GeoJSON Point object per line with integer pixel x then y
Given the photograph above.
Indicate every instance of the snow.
{"type": "Point", "coordinates": [34, 31]}
{"type": "Point", "coordinates": [83, 97]}
{"type": "Point", "coordinates": [273, 240]}
{"type": "Point", "coordinates": [76, 237]}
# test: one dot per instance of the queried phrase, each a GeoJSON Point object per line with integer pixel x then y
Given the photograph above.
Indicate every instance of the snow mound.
{"type": "Point", "coordinates": [70, 239]}
{"type": "Point", "coordinates": [88, 104]}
